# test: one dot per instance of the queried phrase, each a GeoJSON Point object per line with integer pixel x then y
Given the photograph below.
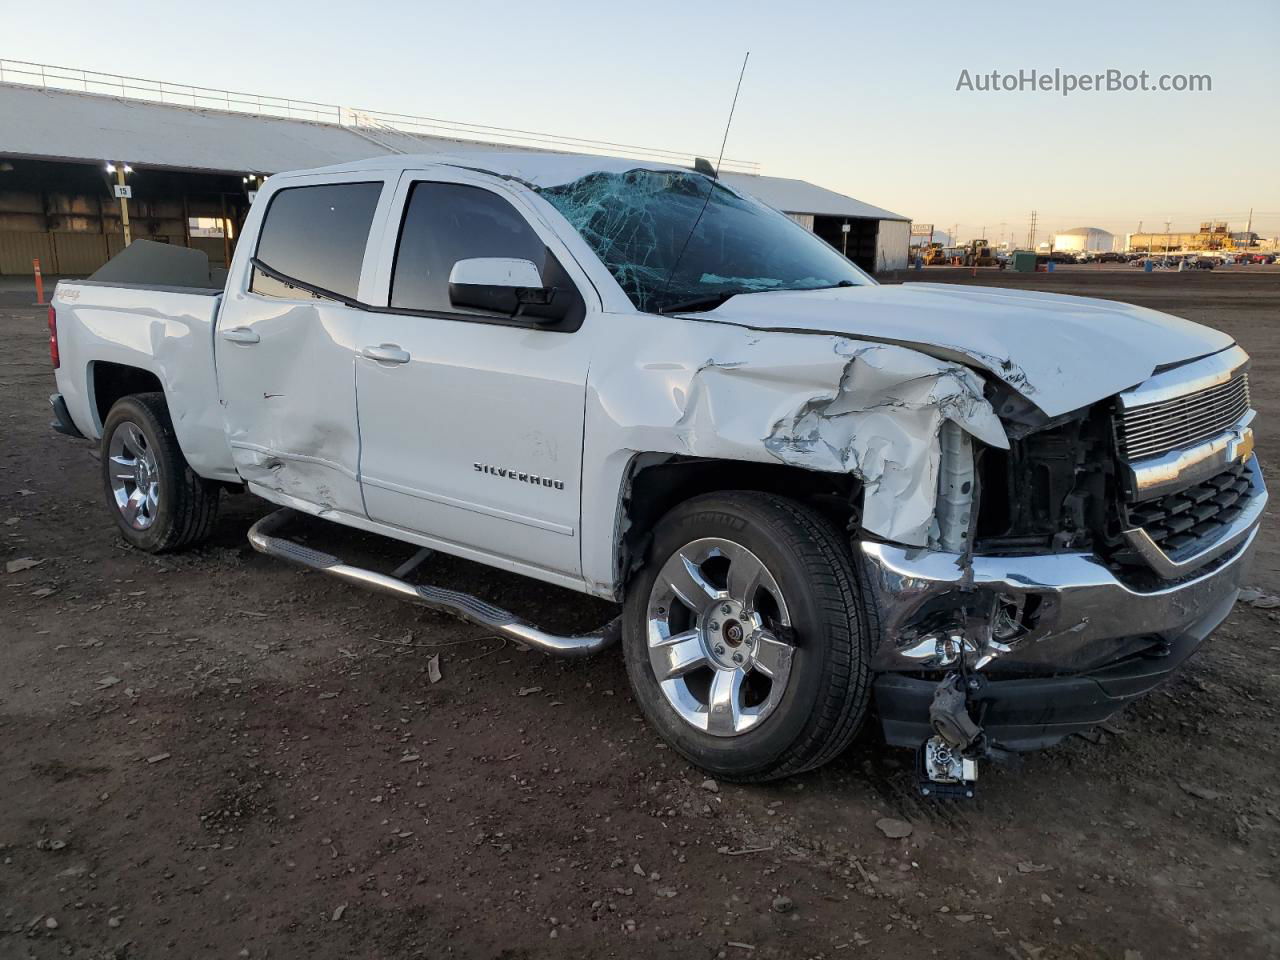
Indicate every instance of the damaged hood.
{"type": "Point", "coordinates": [1060, 352]}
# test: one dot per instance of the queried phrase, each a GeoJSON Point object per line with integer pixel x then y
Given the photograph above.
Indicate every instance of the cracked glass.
{"type": "Point", "coordinates": [638, 223]}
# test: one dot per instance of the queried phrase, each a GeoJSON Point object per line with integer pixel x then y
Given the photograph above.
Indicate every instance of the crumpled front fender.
{"type": "Point", "coordinates": [826, 403]}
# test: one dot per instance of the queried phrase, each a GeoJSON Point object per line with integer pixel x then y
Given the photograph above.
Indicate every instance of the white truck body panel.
{"type": "Point", "coordinates": [166, 332]}
{"type": "Point", "coordinates": [1061, 352]}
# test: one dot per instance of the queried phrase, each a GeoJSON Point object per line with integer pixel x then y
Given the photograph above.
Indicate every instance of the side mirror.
{"type": "Point", "coordinates": [503, 285]}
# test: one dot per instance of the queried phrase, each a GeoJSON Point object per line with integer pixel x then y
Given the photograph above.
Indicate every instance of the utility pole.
{"type": "Point", "coordinates": [1166, 238]}
{"type": "Point", "coordinates": [1031, 235]}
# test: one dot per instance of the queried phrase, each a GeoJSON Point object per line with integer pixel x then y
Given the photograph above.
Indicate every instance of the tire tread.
{"type": "Point", "coordinates": [195, 505]}
{"type": "Point", "coordinates": [827, 560]}
{"type": "Point", "coordinates": [845, 609]}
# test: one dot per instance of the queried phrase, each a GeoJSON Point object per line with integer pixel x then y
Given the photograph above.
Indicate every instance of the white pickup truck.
{"type": "Point", "coordinates": [987, 518]}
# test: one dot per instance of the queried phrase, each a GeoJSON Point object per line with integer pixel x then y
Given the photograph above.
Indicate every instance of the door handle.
{"type": "Point", "coordinates": [386, 353]}
{"type": "Point", "coordinates": [240, 335]}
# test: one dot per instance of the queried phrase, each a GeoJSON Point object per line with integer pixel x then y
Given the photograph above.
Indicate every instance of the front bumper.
{"type": "Point", "coordinates": [1074, 642]}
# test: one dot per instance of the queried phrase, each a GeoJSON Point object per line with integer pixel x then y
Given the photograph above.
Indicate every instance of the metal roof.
{"type": "Point", "coordinates": [63, 125]}
{"type": "Point", "coordinates": [801, 196]}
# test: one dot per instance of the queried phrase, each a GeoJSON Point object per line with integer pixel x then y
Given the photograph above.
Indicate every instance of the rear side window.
{"type": "Point", "coordinates": [448, 222]}
{"type": "Point", "coordinates": [317, 235]}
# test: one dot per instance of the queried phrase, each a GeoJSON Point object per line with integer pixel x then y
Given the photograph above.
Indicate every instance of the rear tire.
{"type": "Point", "coordinates": [159, 503]}
{"type": "Point", "coordinates": [731, 580]}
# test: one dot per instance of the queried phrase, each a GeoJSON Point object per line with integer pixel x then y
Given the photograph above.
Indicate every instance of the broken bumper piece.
{"type": "Point", "coordinates": [1062, 641]}
{"type": "Point", "coordinates": [1033, 712]}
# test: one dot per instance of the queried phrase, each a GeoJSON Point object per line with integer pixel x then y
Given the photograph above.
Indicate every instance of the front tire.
{"type": "Point", "coordinates": [747, 635]}
{"type": "Point", "coordinates": [159, 503]}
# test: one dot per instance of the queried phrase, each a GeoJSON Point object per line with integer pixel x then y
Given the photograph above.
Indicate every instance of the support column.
{"type": "Point", "coordinates": [124, 206]}
{"type": "Point", "coordinates": [226, 240]}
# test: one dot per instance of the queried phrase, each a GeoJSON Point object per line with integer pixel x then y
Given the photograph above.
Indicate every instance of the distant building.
{"type": "Point", "coordinates": [194, 159]}
{"type": "Point", "coordinates": [1084, 240]}
{"type": "Point", "coordinates": [1212, 235]}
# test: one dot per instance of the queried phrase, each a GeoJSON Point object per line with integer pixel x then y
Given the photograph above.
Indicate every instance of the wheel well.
{"type": "Point", "coordinates": [653, 488]}
{"type": "Point", "coordinates": [112, 381]}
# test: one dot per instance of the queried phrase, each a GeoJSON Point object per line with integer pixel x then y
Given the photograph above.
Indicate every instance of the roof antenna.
{"type": "Point", "coordinates": [698, 166]}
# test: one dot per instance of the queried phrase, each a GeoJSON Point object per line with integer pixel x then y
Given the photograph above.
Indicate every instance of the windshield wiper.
{"type": "Point", "coordinates": [713, 300]}
{"type": "Point", "coordinates": [708, 302]}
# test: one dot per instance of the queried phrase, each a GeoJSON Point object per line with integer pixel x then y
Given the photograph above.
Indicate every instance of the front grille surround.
{"type": "Point", "coordinates": [1184, 523]}
{"type": "Point", "coordinates": [1154, 429]}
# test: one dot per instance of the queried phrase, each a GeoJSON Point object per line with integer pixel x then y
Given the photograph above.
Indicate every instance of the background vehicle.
{"type": "Point", "coordinates": [978, 254]}
{"type": "Point", "coordinates": [807, 490]}
{"type": "Point", "coordinates": [935, 254]}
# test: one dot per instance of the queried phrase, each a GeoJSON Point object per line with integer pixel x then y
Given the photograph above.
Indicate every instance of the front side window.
{"type": "Point", "coordinates": [448, 222]}
{"type": "Point", "coordinates": [318, 235]}
{"type": "Point", "coordinates": [639, 224]}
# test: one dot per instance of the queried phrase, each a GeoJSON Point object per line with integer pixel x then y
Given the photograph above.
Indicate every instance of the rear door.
{"type": "Point", "coordinates": [286, 355]}
{"type": "Point", "coordinates": [472, 433]}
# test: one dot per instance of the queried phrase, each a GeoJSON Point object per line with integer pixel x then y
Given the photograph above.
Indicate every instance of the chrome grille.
{"type": "Point", "coordinates": [1157, 428]}
{"type": "Point", "coordinates": [1185, 522]}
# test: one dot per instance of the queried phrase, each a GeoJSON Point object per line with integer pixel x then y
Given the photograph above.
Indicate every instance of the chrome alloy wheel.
{"type": "Point", "coordinates": [717, 627]}
{"type": "Point", "coordinates": [135, 477]}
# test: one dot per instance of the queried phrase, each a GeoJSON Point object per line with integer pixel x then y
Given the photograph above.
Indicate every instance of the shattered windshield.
{"type": "Point", "coordinates": [638, 224]}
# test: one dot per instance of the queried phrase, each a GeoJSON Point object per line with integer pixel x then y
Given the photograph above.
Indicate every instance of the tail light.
{"type": "Point", "coordinates": [53, 338]}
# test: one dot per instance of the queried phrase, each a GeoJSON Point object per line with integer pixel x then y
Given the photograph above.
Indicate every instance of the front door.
{"type": "Point", "coordinates": [471, 423]}
{"type": "Point", "coordinates": [286, 356]}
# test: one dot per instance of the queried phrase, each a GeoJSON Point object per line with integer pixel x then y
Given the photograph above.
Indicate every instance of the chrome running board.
{"type": "Point", "coordinates": [503, 622]}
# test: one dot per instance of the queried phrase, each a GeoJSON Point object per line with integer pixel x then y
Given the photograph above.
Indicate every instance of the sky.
{"type": "Point", "coordinates": [858, 97]}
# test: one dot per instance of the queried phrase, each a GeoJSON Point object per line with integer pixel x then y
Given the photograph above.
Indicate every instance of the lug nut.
{"type": "Point", "coordinates": [726, 609]}
{"type": "Point", "coordinates": [714, 625]}
{"type": "Point", "coordinates": [720, 649]}
{"type": "Point", "coordinates": [737, 658]}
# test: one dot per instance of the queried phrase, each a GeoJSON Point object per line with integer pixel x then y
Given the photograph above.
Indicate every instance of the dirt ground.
{"type": "Point", "coordinates": [216, 755]}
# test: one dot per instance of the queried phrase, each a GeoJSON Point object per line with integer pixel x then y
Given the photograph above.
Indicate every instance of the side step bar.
{"type": "Point", "coordinates": [464, 605]}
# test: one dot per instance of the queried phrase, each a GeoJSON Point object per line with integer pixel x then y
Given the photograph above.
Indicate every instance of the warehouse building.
{"type": "Point", "coordinates": [190, 159]}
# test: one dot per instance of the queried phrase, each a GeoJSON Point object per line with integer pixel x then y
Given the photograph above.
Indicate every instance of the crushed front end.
{"type": "Point", "coordinates": [1095, 555]}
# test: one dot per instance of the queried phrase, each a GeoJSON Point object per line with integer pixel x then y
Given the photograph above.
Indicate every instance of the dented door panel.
{"type": "Point", "coordinates": [286, 357]}
{"type": "Point", "coordinates": [290, 403]}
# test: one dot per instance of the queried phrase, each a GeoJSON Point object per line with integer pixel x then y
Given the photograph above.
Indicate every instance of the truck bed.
{"type": "Point", "coordinates": [166, 331]}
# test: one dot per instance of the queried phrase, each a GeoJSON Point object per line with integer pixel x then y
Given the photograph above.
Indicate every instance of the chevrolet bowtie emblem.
{"type": "Point", "coordinates": [1242, 446]}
